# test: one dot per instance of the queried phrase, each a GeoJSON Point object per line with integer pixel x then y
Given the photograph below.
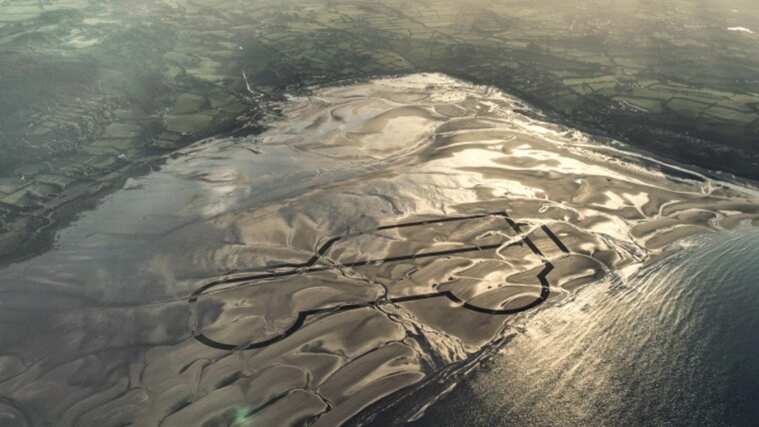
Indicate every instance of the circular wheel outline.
{"type": "Point", "coordinates": [310, 266]}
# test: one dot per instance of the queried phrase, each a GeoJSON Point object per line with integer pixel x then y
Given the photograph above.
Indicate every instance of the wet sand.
{"type": "Point", "coordinates": [378, 238]}
{"type": "Point", "coordinates": [672, 345]}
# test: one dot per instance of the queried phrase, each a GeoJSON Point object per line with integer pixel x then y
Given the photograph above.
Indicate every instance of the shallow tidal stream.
{"type": "Point", "coordinates": [377, 244]}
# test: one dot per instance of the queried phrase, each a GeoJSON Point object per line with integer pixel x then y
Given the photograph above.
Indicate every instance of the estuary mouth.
{"type": "Point", "coordinates": [378, 239]}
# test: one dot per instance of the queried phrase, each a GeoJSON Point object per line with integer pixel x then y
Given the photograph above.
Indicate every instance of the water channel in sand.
{"type": "Point", "coordinates": [379, 240]}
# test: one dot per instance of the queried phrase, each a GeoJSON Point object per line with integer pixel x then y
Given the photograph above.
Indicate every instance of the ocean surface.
{"type": "Point", "coordinates": [674, 345]}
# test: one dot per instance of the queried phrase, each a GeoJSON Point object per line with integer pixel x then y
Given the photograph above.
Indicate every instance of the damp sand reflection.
{"type": "Point", "coordinates": [377, 238]}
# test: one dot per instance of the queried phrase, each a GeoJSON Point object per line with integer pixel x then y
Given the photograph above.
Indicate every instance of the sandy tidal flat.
{"type": "Point", "coordinates": [378, 239]}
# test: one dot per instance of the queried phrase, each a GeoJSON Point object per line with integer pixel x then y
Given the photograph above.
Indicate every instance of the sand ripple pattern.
{"type": "Point", "coordinates": [103, 329]}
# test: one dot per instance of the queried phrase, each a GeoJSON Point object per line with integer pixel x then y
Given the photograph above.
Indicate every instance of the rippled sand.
{"type": "Point", "coordinates": [377, 238]}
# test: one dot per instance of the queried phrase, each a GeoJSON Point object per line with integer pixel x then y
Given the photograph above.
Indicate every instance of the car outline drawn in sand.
{"type": "Point", "coordinates": [254, 278]}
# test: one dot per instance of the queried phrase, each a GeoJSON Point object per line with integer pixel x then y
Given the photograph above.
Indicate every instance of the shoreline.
{"type": "Point", "coordinates": [424, 217]}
